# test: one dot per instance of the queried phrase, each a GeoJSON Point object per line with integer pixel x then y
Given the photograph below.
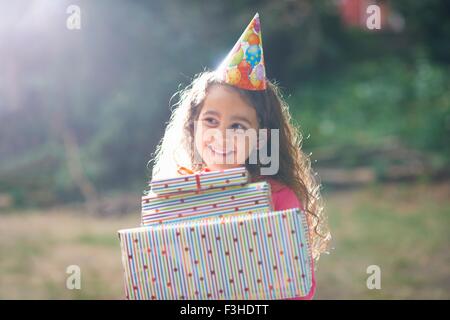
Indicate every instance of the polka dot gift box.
{"type": "Point", "coordinates": [182, 206]}
{"type": "Point", "coordinates": [264, 255]}
{"type": "Point", "coordinates": [190, 181]}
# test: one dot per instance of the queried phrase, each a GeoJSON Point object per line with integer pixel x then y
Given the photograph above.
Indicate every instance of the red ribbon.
{"type": "Point", "coordinates": [184, 171]}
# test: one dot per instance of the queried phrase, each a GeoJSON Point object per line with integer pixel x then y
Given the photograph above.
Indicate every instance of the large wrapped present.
{"type": "Point", "coordinates": [200, 181]}
{"type": "Point", "coordinates": [264, 255]}
{"type": "Point", "coordinates": [158, 209]}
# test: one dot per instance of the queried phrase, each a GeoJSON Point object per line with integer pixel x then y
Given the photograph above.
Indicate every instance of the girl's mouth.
{"type": "Point", "coordinates": [220, 152]}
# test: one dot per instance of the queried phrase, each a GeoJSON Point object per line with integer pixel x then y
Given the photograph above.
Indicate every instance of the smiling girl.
{"type": "Point", "coordinates": [211, 124]}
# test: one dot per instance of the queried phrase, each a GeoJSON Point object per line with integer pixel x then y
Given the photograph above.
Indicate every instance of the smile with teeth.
{"type": "Point", "coordinates": [220, 152]}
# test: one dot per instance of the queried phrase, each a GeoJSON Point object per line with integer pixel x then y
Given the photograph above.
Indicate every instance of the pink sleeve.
{"type": "Point", "coordinates": [287, 199]}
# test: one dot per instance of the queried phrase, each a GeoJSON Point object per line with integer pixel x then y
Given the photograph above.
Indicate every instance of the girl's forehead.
{"type": "Point", "coordinates": [223, 100]}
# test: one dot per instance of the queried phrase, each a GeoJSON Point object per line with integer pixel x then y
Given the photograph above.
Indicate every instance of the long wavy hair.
{"type": "Point", "coordinates": [177, 147]}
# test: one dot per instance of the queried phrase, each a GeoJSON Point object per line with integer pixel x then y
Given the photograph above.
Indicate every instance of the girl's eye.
{"type": "Point", "coordinates": [211, 121]}
{"type": "Point", "coordinates": [238, 127]}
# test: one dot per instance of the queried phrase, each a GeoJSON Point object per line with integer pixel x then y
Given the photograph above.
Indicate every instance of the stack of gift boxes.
{"type": "Point", "coordinates": [214, 235]}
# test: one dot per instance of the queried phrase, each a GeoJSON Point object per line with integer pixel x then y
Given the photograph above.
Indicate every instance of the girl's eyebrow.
{"type": "Point", "coordinates": [241, 118]}
{"type": "Point", "coordinates": [215, 113]}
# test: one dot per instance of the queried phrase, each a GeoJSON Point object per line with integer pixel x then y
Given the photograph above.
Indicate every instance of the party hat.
{"type": "Point", "coordinates": [244, 67]}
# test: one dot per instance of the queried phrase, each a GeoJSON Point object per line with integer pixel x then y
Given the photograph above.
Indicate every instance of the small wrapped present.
{"type": "Point", "coordinates": [264, 255]}
{"type": "Point", "coordinates": [158, 209]}
{"type": "Point", "coordinates": [200, 181]}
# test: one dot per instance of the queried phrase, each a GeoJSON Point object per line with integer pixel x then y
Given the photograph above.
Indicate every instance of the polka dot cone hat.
{"type": "Point", "coordinates": [244, 67]}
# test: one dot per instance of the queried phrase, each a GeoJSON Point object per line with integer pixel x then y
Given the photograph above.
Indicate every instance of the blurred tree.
{"type": "Point", "coordinates": [113, 79]}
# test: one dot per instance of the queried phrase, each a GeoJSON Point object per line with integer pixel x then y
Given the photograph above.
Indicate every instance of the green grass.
{"type": "Point", "coordinates": [402, 228]}
{"type": "Point", "coordinates": [103, 240]}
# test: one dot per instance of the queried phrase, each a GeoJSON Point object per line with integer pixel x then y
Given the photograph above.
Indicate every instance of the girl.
{"type": "Point", "coordinates": [215, 104]}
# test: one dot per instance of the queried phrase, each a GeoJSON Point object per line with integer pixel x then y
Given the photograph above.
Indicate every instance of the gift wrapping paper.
{"type": "Point", "coordinates": [263, 255]}
{"type": "Point", "coordinates": [200, 181]}
{"type": "Point", "coordinates": [159, 209]}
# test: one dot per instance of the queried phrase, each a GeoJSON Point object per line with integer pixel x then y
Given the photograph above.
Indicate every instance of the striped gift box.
{"type": "Point", "coordinates": [158, 209]}
{"type": "Point", "coordinates": [264, 255]}
{"type": "Point", "coordinates": [200, 181]}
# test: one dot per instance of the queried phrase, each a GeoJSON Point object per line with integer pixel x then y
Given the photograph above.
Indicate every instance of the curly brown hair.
{"type": "Point", "coordinates": [177, 147]}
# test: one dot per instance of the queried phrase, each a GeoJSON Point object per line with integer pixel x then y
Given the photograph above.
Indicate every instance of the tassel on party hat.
{"type": "Point", "coordinates": [244, 67]}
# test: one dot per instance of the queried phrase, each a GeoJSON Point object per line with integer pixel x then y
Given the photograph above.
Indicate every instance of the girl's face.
{"type": "Point", "coordinates": [226, 129]}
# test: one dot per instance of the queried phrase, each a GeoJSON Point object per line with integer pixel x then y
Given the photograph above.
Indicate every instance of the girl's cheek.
{"type": "Point", "coordinates": [240, 149]}
{"type": "Point", "coordinates": [203, 138]}
{"type": "Point", "coordinates": [243, 149]}
{"type": "Point", "coordinates": [206, 134]}
{"type": "Point", "coordinates": [200, 132]}
{"type": "Point", "coordinates": [199, 140]}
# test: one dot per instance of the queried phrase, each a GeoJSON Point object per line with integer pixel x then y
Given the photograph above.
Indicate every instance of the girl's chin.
{"type": "Point", "coordinates": [219, 165]}
{"type": "Point", "coordinates": [223, 166]}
